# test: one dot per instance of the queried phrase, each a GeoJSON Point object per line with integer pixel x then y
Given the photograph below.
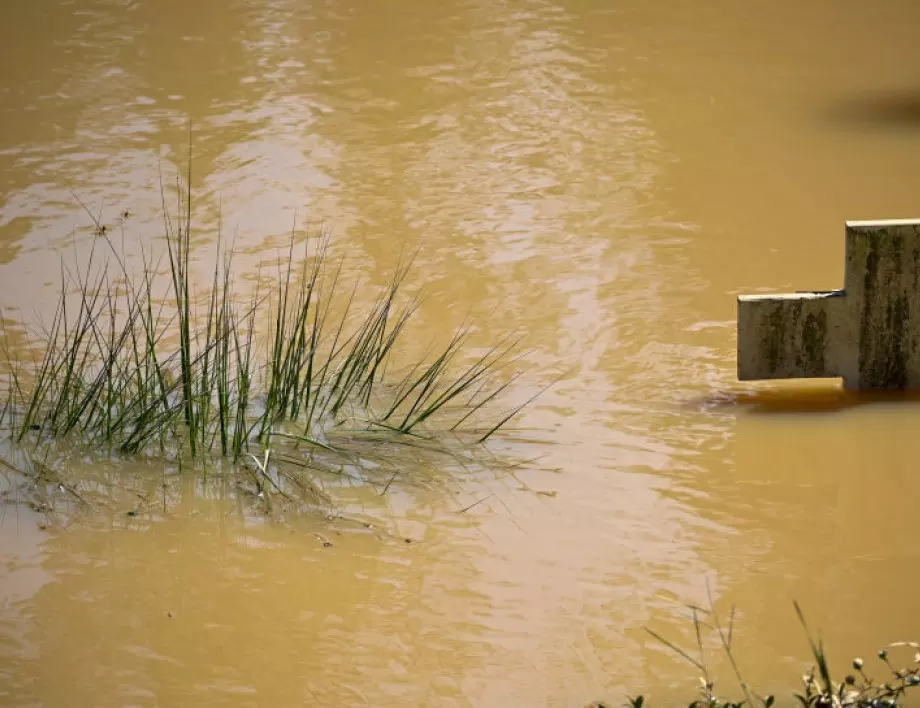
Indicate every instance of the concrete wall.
{"type": "Point", "coordinates": [791, 336]}
{"type": "Point", "coordinates": [868, 333]}
{"type": "Point", "coordinates": [882, 279]}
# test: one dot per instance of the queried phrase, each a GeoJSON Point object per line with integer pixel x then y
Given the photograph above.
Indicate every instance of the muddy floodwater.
{"type": "Point", "coordinates": [604, 176]}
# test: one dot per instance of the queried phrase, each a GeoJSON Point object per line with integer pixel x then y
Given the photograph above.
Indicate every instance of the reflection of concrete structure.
{"type": "Point", "coordinates": [868, 333]}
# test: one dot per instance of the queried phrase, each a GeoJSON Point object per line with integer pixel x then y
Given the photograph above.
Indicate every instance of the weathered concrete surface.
{"type": "Point", "coordinates": [868, 333]}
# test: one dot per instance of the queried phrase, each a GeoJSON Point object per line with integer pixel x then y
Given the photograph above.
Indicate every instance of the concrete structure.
{"type": "Point", "coordinates": [868, 333]}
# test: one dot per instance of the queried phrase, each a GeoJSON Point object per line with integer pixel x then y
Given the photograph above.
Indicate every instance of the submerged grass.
{"type": "Point", "coordinates": [128, 370]}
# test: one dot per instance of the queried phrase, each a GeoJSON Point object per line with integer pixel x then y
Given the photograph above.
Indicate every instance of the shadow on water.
{"type": "Point", "coordinates": [879, 109]}
{"type": "Point", "coordinates": [824, 396]}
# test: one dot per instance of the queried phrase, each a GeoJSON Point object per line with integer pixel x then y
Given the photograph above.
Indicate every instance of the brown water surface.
{"type": "Point", "coordinates": [607, 176]}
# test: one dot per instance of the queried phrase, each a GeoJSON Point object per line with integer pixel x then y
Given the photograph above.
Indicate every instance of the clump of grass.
{"type": "Point", "coordinates": [819, 689]}
{"type": "Point", "coordinates": [124, 368]}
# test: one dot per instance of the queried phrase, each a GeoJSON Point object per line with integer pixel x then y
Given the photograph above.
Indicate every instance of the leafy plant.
{"type": "Point", "coordinates": [857, 690]}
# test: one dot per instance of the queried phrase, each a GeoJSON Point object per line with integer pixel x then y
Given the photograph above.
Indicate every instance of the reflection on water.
{"type": "Point", "coordinates": [276, 620]}
{"type": "Point", "coordinates": [605, 178]}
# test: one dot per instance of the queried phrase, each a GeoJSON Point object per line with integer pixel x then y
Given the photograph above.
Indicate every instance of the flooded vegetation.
{"type": "Point", "coordinates": [593, 182]}
{"type": "Point", "coordinates": [179, 377]}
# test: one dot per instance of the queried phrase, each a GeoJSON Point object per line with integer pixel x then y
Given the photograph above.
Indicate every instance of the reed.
{"type": "Point", "coordinates": [131, 370]}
